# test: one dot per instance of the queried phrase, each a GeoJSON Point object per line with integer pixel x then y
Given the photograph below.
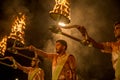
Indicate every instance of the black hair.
{"type": "Point", "coordinates": [63, 42]}
{"type": "Point", "coordinates": [116, 23]}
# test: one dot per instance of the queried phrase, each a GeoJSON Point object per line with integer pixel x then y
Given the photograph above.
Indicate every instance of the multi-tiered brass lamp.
{"type": "Point", "coordinates": [17, 30]}
{"type": "Point", "coordinates": [61, 11]}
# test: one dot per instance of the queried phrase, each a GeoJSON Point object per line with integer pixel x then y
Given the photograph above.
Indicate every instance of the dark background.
{"type": "Point", "coordinates": [98, 17]}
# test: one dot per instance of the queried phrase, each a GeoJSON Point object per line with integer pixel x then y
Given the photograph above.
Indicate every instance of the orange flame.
{"type": "Point", "coordinates": [63, 5]}
{"type": "Point", "coordinates": [17, 30]}
{"type": "Point", "coordinates": [3, 45]}
{"type": "Point", "coordinates": [61, 11]}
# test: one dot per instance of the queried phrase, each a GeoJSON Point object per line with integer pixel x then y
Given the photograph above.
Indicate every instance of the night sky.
{"type": "Point", "coordinates": [98, 18]}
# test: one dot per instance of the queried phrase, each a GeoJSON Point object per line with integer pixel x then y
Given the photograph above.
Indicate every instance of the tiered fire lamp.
{"type": "Point", "coordinates": [61, 11]}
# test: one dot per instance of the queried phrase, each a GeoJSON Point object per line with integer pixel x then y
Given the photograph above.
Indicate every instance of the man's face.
{"type": "Point", "coordinates": [59, 47]}
{"type": "Point", "coordinates": [33, 62]}
{"type": "Point", "coordinates": [117, 31]}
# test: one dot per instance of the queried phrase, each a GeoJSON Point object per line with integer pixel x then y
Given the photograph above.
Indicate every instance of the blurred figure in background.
{"type": "Point", "coordinates": [34, 72]}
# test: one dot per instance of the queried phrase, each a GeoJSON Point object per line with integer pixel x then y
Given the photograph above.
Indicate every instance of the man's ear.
{"type": "Point", "coordinates": [64, 47]}
{"type": "Point", "coordinates": [38, 61]}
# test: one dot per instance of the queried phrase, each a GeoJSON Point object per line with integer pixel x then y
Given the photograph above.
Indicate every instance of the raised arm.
{"type": "Point", "coordinates": [37, 51]}
{"type": "Point", "coordinates": [103, 46]}
{"type": "Point", "coordinates": [19, 66]}
{"type": "Point", "coordinates": [23, 68]}
{"type": "Point", "coordinates": [87, 40]}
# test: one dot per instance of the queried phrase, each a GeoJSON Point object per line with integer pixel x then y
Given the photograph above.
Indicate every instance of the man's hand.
{"type": "Point", "coordinates": [31, 48]}
{"type": "Point", "coordinates": [13, 60]}
{"type": "Point", "coordinates": [55, 29]}
{"type": "Point", "coordinates": [9, 57]}
{"type": "Point", "coordinates": [87, 40]}
{"type": "Point", "coordinates": [82, 30]}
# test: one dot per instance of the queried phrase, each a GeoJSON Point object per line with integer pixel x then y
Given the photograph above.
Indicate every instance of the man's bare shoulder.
{"type": "Point", "coordinates": [52, 55]}
{"type": "Point", "coordinates": [71, 56]}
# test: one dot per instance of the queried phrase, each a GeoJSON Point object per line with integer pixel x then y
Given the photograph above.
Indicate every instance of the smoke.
{"type": "Point", "coordinates": [37, 19]}
{"type": "Point", "coordinates": [97, 16]}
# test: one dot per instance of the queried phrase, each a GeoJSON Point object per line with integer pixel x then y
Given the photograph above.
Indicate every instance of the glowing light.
{"type": "Point", "coordinates": [61, 24]}
{"type": "Point", "coordinates": [18, 27]}
{"type": "Point", "coordinates": [3, 44]}
{"type": "Point", "coordinates": [16, 78]}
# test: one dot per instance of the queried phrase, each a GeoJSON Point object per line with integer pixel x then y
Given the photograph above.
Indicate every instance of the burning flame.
{"type": "Point", "coordinates": [63, 2]}
{"type": "Point", "coordinates": [17, 30]}
{"type": "Point", "coordinates": [61, 11]}
{"type": "Point", "coordinates": [62, 5]}
{"type": "Point", "coordinates": [3, 45]}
